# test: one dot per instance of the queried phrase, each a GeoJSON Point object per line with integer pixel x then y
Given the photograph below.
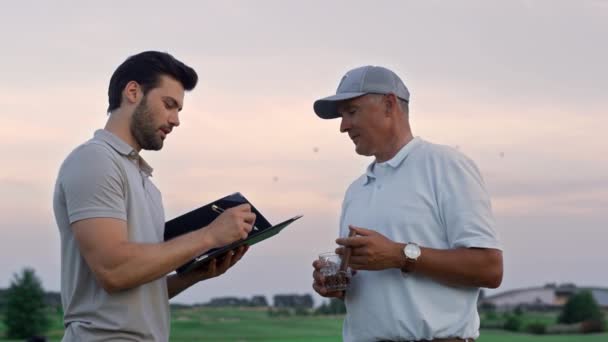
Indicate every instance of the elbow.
{"type": "Point", "coordinates": [112, 276]}
{"type": "Point", "coordinates": [494, 272]}
{"type": "Point", "coordinates": [111, 282]}
{"type": "Point", "coordinates": [494, 280]}
{"type": "Point", "coordinates": [110, 287]}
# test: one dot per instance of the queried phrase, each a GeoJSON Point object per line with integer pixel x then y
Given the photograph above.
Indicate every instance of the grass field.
{"type": "Point", "coordinates": [248, 325]}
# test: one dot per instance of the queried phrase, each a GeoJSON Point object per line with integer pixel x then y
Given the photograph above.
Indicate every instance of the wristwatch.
{"type": "Point", "coordinates": [412, 253]}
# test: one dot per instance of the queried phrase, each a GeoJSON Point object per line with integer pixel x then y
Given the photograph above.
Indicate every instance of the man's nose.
{"type": "Point", "coordinates": [174, 119]}
{"type": "Point", "coordinates": [344, 124]}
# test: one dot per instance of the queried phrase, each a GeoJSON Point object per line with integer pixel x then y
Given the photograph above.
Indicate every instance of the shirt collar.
{"type": "Point", "coordinates": [124, 149]}
{"type": "Point", "coordinates": [394, 162]}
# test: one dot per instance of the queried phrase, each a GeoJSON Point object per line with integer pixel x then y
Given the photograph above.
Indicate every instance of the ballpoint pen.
{"type": "Point", "coordinates": [220, 210]}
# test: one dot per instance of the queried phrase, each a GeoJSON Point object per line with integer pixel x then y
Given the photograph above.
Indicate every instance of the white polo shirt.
{"type": "Point", "coordinates": [434, 196]}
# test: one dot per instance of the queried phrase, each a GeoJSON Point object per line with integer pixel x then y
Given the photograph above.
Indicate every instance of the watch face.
{"type": "Point", "coordinates": [412, 251]}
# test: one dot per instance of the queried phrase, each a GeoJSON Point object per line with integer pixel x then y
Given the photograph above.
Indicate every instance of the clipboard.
{"type": "Point", "coordinates": [203, 216]}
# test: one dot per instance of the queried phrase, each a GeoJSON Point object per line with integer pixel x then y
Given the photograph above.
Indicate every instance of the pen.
{"type": "Point", "coordinates": [220, 210]}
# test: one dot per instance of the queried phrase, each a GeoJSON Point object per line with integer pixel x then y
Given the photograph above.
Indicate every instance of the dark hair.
{"type": "Point", "coordinates": [146, 68]}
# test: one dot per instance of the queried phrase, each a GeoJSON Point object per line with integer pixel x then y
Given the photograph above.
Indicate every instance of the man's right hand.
{"type": "Point", "coordinates": [232, 225]}
{"type": "Point", "coordinates": [319, 283]}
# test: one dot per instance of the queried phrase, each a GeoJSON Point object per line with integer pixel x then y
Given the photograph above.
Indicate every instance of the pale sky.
{"type": "Point", "coordinates": [520, 87]}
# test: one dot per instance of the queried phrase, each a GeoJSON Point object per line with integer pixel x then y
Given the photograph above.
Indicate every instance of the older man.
{"type": "Point", "coordinates": [425, 242]}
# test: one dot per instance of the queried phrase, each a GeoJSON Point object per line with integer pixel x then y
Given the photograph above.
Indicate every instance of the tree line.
{"type": "Point", "coordinates": [26, 309]}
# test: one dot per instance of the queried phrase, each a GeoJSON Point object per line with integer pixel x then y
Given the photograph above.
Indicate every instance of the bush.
{"type": "Point", "coordinates": [492, 320]}
{"type": "Point", "coordinates": [592, 326]}
{"type": "Point", "coordinates": [302, 312]}
{"type": "Point", "coordinates": [580, 307]}
{"type": "Point", "coordinates": [536, 328]}
{"type": "Point", "coordinates": [496, 324]}
{"type": "Point", "coordinates": [513, 323]}
{"type": "Point", "coordinates": [574, 328]}
{"type": "Point", "coordinates": [491, 315]}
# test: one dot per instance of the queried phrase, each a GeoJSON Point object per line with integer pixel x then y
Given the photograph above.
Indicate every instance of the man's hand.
{"type": "Point", "coordinates": [371, 250]}
{"type": "Point", "coordinates": [176, 283]}
{"type": "Point", "coordinates": [219, 266]}
{"type": "Point", "coordinates": [232, 225]}
{"type": "Point", "coordinates": [319, 282]}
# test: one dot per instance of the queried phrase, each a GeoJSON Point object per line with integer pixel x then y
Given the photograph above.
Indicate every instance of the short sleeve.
{"type": "Point", "coordinates": [93, 185]}
{"type": "Point", "coordinates": [465, 205]}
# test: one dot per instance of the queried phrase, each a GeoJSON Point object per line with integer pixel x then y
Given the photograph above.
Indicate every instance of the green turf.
{"type": "Point", "coordinates": [249, 325]}
{"type": "Point", "coordinates": [503, 336]}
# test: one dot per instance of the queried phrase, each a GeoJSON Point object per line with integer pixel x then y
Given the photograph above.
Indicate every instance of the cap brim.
{"type": "Point", "coordinates": [327, 108]}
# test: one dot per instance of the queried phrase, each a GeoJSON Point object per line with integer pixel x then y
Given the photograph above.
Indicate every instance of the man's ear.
{"type": "Point", "coordinates": [132, 92]}
{"type": "Point", "coordinates": [390, 101]}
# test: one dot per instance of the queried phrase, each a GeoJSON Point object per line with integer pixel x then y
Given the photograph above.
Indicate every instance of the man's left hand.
{"type": "Point", "coordinates": [371, 250]}
{"type": "Point", "coordinates": [219, 266]}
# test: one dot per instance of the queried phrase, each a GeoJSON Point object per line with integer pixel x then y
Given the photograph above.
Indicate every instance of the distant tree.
{"type": "Point", "coordinates": [333, 307]}
{"type": "Point", "coordinates": [3, 299]}
{"type": "Point", "coordinates": [25, 308]}
{"type": "Point", "coordinates": [580, 307]}
{"type": "Point", "coordinates": [487, 306]}
{"type": "Point", "coordinates": [259, 301]}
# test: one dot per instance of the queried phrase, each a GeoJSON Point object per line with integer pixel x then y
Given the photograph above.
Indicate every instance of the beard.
{"type": "Point", "coordinates": [143, 129]}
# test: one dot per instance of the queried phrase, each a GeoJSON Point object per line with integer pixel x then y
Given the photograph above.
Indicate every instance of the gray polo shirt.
{"type": "Point", "coordinates": [105, 177]}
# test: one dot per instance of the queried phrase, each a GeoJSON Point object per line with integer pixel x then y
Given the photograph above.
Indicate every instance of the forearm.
{"type": "Point", "coordinates": [176, 283]}
{"type": "Point", "coordinates": [469, 267]}
{"type": "Point", "coordinates": [134, 264]}
{"type": "Point", "coordinates": [472, 267]}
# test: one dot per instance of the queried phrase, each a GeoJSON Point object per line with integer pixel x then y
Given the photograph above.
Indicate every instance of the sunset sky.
{"type": "Point", "coordinates": [521, 87]}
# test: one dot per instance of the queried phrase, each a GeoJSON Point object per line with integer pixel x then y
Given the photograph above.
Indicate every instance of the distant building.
{"type": "Point", "coordinates": [550, 296]}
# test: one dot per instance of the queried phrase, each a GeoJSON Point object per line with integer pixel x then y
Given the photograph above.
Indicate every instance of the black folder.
{"type": "Point", "coordinates": [203, 216]}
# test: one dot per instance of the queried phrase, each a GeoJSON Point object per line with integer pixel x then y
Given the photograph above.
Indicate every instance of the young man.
{"type": "Point", "coordinates": [114, 283]}
{"type": "Point", "coordinates": [425, 242]}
